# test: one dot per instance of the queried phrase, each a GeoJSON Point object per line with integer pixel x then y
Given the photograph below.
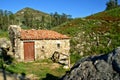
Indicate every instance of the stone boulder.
{"type": "Point", "coordinates": [100, 67]}
{"type": "Point", "coordinates": [4, 43]}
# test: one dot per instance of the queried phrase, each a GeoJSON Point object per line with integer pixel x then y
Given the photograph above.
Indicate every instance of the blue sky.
{"type": "Point", "coordinates": [76, 8]}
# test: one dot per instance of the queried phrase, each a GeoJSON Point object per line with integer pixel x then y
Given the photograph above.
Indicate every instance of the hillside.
{"type": "Point", "coordinates": [35, 13]}
{"type": "Point", "coordinates": [39, 20]}
{"type": "Point", "coordinates": [109, 15]}
{"type": "Point", "coordinates": [29, 16]}
{"type": "Point", "coordinates": [92, 35]}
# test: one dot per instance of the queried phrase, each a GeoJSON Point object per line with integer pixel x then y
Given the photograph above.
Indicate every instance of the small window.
{"type": "Point", "coordinates": [42, 47]}
{"type": "Point", "coordinates": [58, 45]}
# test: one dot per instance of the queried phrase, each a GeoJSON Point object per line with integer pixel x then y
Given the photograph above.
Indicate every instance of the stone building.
{"type": "Point", "coordinates": [30, 45]}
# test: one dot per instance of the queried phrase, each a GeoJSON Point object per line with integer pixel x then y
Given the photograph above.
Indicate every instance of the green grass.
{"type": "Point", "coordinates": [17, 68]}
{"type": "Point", "coordinates": [3, 34]}
{"type": "Point", "coordinates": [74, 58]}
{"type": "Point", "coordinates": [39, 68]}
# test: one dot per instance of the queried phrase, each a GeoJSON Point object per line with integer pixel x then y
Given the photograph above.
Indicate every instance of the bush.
{"type": "Point", "coordinates": [3, 34]}
{"type": "Point", "coordinates": [75, 57]}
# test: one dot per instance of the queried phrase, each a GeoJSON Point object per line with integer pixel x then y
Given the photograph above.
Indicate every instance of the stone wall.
{"type": "Point", "coordinates": [43, 48]}
{"type": "Point", "coordinates": [46, 48]}
{"type": "Point", "coordinates": [19, 50]}
{"type": "Point", "coordinates": [14, 33]}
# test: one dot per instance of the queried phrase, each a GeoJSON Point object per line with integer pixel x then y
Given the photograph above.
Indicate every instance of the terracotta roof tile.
{"type": "Point", "coordinates": [41, 34]}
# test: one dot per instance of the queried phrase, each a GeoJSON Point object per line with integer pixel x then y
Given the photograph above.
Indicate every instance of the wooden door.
{"type": "Point", "coordinates": [29, 51]}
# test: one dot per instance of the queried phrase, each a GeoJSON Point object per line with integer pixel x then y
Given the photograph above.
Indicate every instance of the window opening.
{"type": "Point", "coordinates": [58, 45]}
{"type": "Point", "coordinates": [42, 47]}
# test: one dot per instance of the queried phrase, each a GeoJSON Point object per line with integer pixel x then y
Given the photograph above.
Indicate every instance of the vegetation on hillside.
{"type": "Point", "coordinates": [3, 34]}
{"type": "Point", "coordinates": [30, 18]}
{"type": "Point", "coordinates": [6, 18]}
{"type": "Point", "coordinates": [109, 15]}
{"type": "Point", "coordinates": [93, 35]}
{"type": "Point", "coordinates": [39, 20]}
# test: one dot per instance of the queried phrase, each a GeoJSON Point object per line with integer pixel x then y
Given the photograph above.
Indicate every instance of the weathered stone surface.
{"type": "Point", "coordinates": [101, 67]}
{"type": "Point", "coordinates": [4, 43]}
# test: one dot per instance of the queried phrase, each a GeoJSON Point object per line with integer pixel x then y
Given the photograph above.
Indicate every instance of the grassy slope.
{"type": "Point", "coordinates": [105, 25]}
{"type": "Point", "coordinates": [112, 15]}
{"type": "Point", "coordinates": [36, 14]}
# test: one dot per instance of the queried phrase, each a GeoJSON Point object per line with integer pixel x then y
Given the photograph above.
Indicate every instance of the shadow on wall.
{"type": "Point", "coordinates": [50, 77]}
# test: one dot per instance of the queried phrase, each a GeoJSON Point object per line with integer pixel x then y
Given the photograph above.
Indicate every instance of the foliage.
{"type": "Point", "coordinates": [3, 34]}
{"type": "Point", "coordinates": [16, 68]}
{"type": "Point", "coordinates": [31, 19]}
{"type": "Point", "coordinates": [70, 28]}
{"type": "Point", "coordinates": [6, 18]}
{"type": "Point", "coordinates": [74, 58]}
{"type": "Point", "coordinates": [40, 20]}
{"type": "Point", "coordinates": [96, 34]}
{"type": "Point", "coordinates": [112, 4]}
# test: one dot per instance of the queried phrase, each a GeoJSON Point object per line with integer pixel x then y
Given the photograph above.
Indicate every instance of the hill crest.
{"type": "Point", "coordinates": [31, 10]}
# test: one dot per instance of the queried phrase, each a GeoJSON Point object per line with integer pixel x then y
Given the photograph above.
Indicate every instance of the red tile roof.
{"type": "Point", "coordinates": [41, 34]}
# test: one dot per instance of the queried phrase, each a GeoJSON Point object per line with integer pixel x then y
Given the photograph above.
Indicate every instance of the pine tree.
{"type": "Point", "coordinates": [111, 4]}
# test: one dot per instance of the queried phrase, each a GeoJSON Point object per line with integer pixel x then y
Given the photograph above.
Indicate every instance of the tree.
{"type": "Point", "coordinates": [111, 4]}
{"type": "Point", "coordinates": [43, 21]}
{"type": "Point", "coordinates": [6, 18]}
{"type": "Point", "coordinates": [58, 19]}
{"type": "Point", "coordinates": [26, 21]}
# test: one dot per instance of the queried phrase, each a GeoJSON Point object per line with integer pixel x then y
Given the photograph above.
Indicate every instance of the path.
{"type": "Point", "coordinates": [8, 75]}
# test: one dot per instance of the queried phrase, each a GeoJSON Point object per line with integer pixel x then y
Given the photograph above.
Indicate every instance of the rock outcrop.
{"type": "Point", "coordinates": [101, 67]}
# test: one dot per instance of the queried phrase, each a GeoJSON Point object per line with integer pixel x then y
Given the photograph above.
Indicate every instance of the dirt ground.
{"type": "Point", "coordinates": [7, 76]}
{"type": "Point", "coordinates": [4, 75]}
